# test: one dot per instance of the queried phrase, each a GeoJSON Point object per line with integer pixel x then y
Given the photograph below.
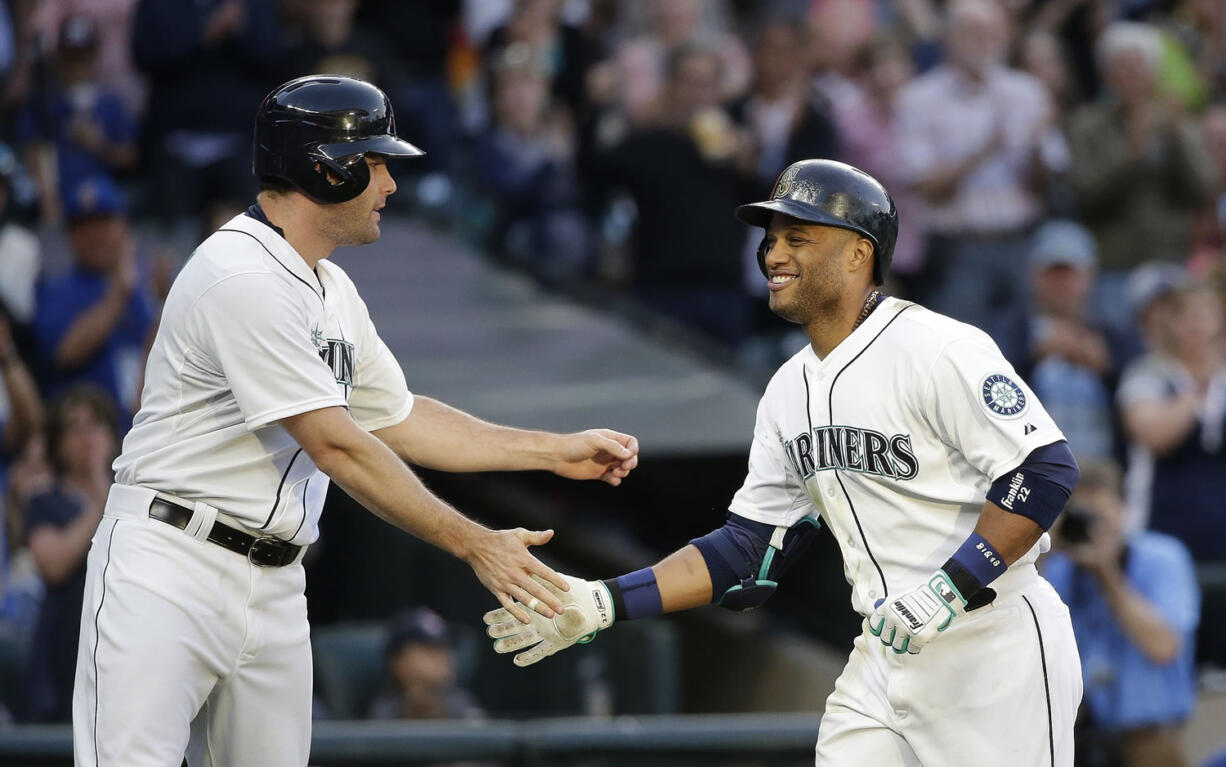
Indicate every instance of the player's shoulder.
{"type": "Point", "coordinates": [242, 250]}
{"type": "Point", "coordinates": [916, 333]}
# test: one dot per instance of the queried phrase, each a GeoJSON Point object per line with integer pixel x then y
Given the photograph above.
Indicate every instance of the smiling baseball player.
{"type": "Point", "coordinates": [266, 379]}
{"type": "Point", "coordinates": [934, 466]}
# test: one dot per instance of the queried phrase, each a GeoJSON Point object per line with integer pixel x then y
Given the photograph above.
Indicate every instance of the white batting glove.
{"type": "Point", "coordinates": [909, 622]}
{"type": "Point", "coordinates": [588, 608]}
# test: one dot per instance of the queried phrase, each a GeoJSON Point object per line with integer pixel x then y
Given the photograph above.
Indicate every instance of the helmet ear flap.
{"type": "Point", "coordinates": [341, 181]}
{"type": "Point", "coordinates": [763, 248]}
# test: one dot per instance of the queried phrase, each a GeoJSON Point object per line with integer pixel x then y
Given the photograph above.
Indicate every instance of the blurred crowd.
{"type": "Point", "coordinates": [1059, 167]}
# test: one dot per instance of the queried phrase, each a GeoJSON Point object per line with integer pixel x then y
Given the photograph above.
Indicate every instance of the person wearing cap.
{"type": "Point", "coordinates": [93, 322]}
{"type": "Point", "coordinates": [1071, 360]}
{"type": "Point", "coordinates": [1173, 406]}
{"type": "Point", "coordinates": [421, 664]}
{"type": "Point", "coordinates": [76, 128]}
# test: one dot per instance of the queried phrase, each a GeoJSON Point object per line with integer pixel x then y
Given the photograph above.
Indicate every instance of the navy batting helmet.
{"type": "Point", "coordinates": [831, 193]}
{"type": "Point", "coordinates": [315, 131]}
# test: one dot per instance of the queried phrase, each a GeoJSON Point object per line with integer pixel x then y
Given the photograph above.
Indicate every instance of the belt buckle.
{"type": "Point", "coordinates": [268, 541]}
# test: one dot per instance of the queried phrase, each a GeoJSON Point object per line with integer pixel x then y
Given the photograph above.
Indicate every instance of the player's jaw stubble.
{"type": "Point", "coordinates": [815, 293]}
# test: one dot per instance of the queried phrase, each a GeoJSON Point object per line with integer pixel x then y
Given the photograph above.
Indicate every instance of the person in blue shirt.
{"type": "Point", "coordinates": [82, 441]}
{"type": "Point", "coordinates": [93, 323]}
{"type": "Point", "coordinates": [91, 129]}
{"type": "Point", "coordinates": [1135, 606]}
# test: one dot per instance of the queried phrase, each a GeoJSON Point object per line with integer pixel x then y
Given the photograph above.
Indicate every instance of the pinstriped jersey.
{"type": "Point", "coordinates": [893, 439]}
{"type": "Point", "coordinates": [250, 335]}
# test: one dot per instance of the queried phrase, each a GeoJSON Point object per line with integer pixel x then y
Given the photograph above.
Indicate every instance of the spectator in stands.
{"type": "Point", "coordinates": [1173, 404]}
{"type": "Point", "coordinates": [786, 123]}
{"type": "Point", "coordinates": [20, 257]}
{"type": "Point", "coordinates": [1135, 606]}
{"type": "Point", "coordinates": [563, 52]}
{"type": "Point", "coordinates": [1043, 55]}
{"type": "Point", "coordinates": [209, 64]}
{"type": "Point", "coordinates": [836, 30]}
{"type": "Point", "coordinates": [689, 167]}
{"type": "Point", "coordinates": [326, 40]}
{"type": "Point", "coordinates": [113, 67]}
{"type": "Point", "coordinates": [82, 441]}
{"type": "Point", "coordinates": [76, 128]}
{"type": "Point", "coordinates": [868, 139]}
{"type": "Point", "coordinates": [653, 31]}
{"type": "Point", "coordinates": [1140, 170]}
{"type": "Point", "coordinates": [782, 116]}
{"type": "Point", "coordinates": [525, 162]}
{"type": "Point", "coordinates": [1071, 361]}
{"type": "Point", "coordinates": [1209, 248]}
{"type": "Point", "coordinates": [969, 129]}
{"type": "Point", "coordinates": [421, 663]}
{"type": "Point", "coordinates": [94, 322]}
{"type": "Point", "coordinates": [433, 60]}
{"type": "Point", "coordinates": [21, 419]}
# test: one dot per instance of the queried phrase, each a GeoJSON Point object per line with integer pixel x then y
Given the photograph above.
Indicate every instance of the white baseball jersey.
{"type": "Point", "coordinates": [249, 335]}
{"type": "Point", "coordinates": [894, 439]}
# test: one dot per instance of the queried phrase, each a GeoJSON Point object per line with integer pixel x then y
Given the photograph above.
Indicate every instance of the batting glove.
{"type": "Point", "coordinates": [910, 621]}
{"type": "Point", "coordinates": [588, 608]}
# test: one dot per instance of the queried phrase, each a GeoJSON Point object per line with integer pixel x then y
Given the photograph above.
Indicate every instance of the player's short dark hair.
{"type": "Point", "coordinates": [100, 405]}
{"type": "Point", "coordinates": [275, 185]}
{"type": "Point", "coordinates": [1099, 474]}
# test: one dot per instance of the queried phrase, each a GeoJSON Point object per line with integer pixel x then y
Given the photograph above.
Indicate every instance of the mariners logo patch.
{"type": "Point", "coordinates": [784, 184]}
{"type": "Point", "coordinates": [1003, 396]}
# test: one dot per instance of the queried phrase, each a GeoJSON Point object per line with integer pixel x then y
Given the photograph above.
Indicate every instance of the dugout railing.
{"type": "Point", "coordinates": [743, 740]}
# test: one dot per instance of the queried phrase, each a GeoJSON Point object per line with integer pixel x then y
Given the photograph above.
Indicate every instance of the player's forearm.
{"type": "Point", "coordinates": [1162, 426]}
{"type": "Point", "coordinates": [1140, 621]}
{"type": "Point", "coordinates": [683, 579]}
{"type": "Point", "coordinates": [1012, 534]}
{"type": "Point", "coordinates": [375, 477]}
{"type": "Point", "coordinates": [441, 437]}
{"type": "Point", "coordinates": [89, 331]}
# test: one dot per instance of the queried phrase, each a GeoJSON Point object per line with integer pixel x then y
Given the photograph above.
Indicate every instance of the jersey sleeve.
{"type": "Point", "coordinates": [772, 493]}
{"type": "Point", "coordinates": [259, 336]}
{"type": "Point", "coordinates": [380, 397]}
{"type": "Point", "coordinates": [978, 405]}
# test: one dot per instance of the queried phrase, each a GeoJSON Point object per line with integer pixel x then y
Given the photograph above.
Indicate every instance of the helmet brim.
{"type": "Point", "coordinates": [390, 146]}
{"type": "Point", "coordinates": [759, 214]}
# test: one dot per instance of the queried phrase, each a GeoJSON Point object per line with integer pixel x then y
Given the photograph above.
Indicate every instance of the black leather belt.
{"type": "Point", "coordinates": [264, 551]}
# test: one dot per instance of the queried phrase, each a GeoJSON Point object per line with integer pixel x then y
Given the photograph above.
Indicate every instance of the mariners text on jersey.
{"type": "Point", "coordinates": [852, 449]}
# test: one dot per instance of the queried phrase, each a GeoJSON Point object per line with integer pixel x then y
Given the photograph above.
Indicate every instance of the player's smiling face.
{"type": "Point", "coordinates": [805, 267]}
{"type": "Point", "coordinates": [357, 222]}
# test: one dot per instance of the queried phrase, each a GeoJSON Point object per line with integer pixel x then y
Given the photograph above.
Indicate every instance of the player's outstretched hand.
{"type": "Point", "coordinates": [596, 454]}
{"type": "Point", "coordinates": [501, 560]}
{"type": "Point", "coordinates": [588, 609]}
{"type": "Point", "coordinates": [909, 622]}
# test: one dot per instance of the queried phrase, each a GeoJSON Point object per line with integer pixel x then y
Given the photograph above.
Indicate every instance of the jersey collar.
{"type": "Point", "coordinates": [860, 337]}
{"type": "Point", "coordinates": [277, 247]}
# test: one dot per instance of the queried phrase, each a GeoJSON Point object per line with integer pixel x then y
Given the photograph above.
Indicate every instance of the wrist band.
{"type": "Point", "coordinates": [974, 565]}
{"type": "Point", "coordinates": [635, 595]}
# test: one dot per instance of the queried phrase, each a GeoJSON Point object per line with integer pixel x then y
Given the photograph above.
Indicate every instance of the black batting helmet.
{"type": "Point", "coordinates": [315, 131]}
{"type": "Point", "coordinates": [831, 194]}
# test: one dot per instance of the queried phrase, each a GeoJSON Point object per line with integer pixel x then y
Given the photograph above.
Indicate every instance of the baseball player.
{"type": "Point", "coordinates": [266, 380]}
{"type": "Point", "coordinates": [910, 437]}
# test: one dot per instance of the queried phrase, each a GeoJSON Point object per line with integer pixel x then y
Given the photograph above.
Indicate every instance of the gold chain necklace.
{"type": "Point", "coordinates": [874, 299]}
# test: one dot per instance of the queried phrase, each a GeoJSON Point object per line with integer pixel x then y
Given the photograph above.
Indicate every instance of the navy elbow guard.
{"type": "Point", "coordinates": [746, 558]}
{"type": "Point", "coordinates": [1040, 487]}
